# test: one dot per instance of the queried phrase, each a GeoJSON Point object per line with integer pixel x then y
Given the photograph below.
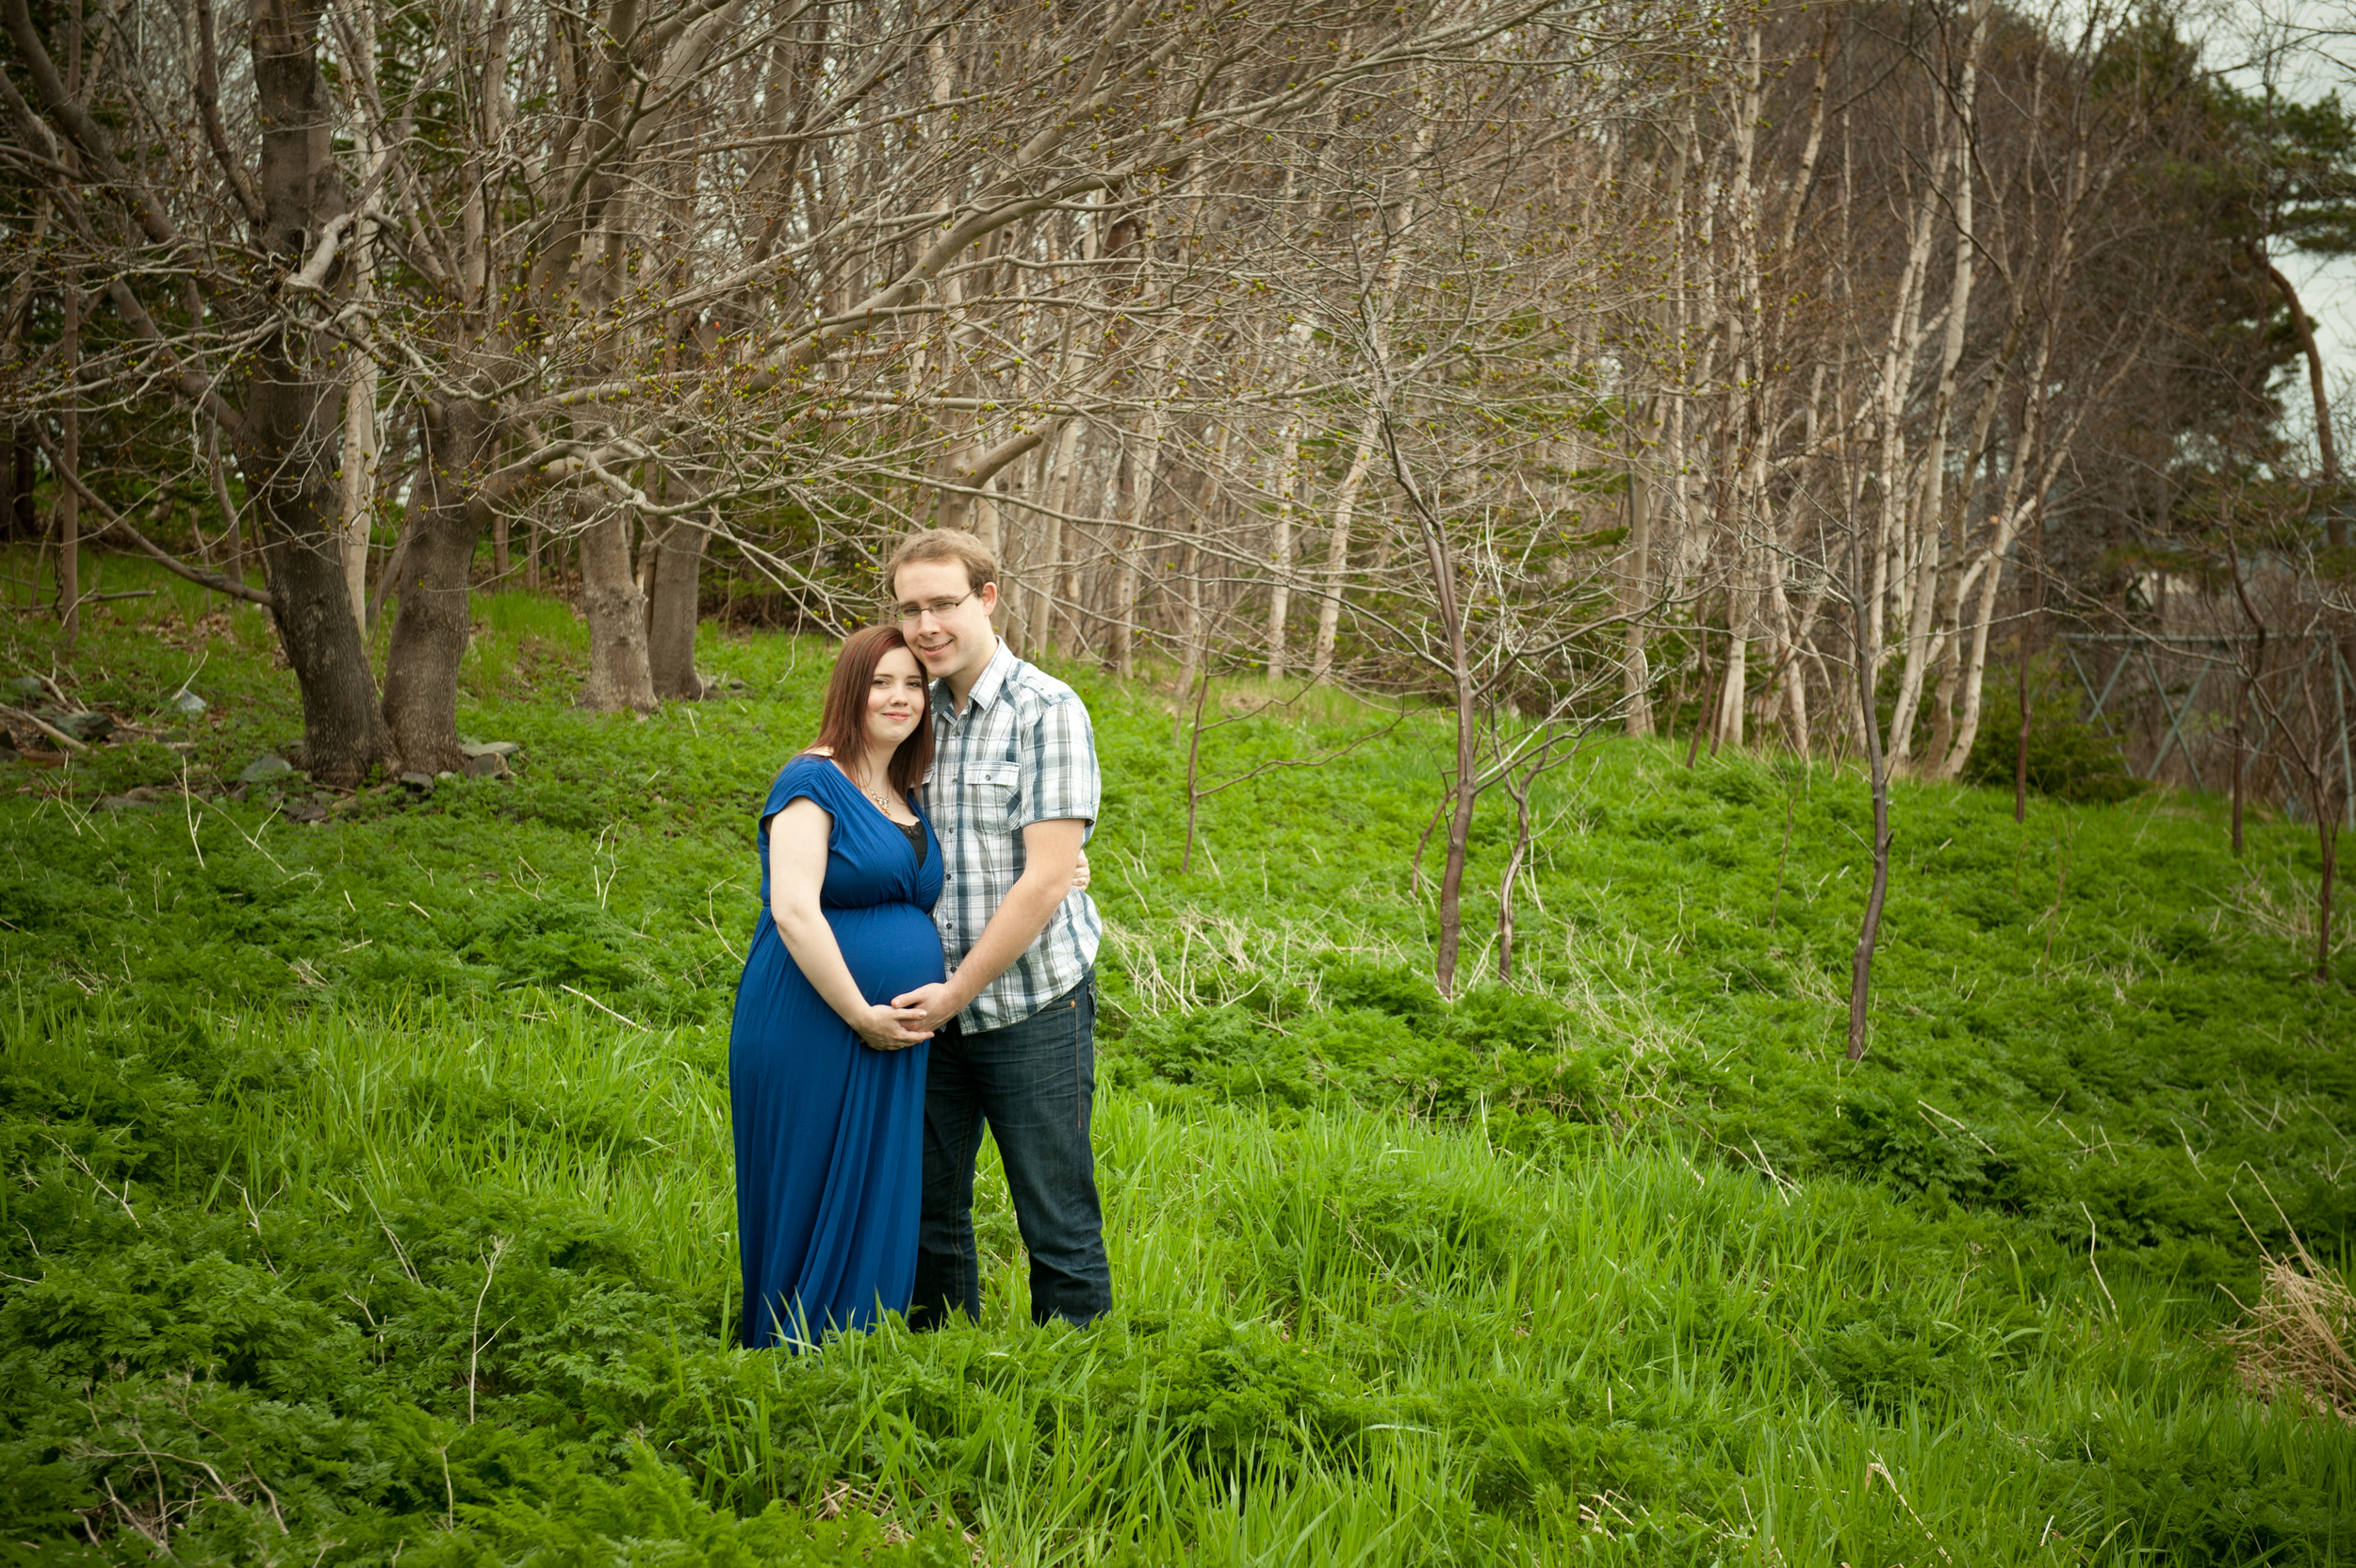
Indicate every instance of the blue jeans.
{"type": "Point", "coordinates": [1033, 1081]}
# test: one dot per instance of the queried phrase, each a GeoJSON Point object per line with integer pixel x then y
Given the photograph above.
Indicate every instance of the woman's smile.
{"type": "Point", "coordinates": [896, 696]}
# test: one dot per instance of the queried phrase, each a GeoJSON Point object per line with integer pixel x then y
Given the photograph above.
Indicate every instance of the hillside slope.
{"type": "Point", "coordinates": [371, 1200]}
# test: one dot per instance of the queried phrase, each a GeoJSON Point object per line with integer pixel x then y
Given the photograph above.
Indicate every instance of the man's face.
{"type": "Point", "coordinates": [946, 620]}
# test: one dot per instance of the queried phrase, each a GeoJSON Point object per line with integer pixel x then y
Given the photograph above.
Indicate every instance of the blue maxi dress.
{"type": "Point", "coordinates": [829, 1131]}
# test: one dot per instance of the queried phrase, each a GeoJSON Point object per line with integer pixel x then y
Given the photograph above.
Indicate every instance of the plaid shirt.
{"type": "Point", "coordinates": [1022, 752]}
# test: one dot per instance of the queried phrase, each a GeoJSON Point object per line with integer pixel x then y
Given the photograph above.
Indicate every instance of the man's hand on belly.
{"type": "Point", "coordinates": [1051, 850]}
{"type": "Point", "coordinates": [935, 1001]}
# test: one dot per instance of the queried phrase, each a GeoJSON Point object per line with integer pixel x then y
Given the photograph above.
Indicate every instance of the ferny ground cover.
{"type": "Point", "coordinates": [369, 1198]}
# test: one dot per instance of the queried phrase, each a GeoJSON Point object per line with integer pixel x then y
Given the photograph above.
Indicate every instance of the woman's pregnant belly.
{"type": "Point", "coordinates": [891, 948]}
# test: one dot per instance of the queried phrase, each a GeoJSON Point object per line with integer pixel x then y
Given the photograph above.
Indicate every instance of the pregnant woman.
{"type": "Point", "coordinates": [825, 1079]}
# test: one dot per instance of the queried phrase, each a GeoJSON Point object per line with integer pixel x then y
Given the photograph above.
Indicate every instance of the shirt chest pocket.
{"type": "Point", "coordinates": [993, 790]}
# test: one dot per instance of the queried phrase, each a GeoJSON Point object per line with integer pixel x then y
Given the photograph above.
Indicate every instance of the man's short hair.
{"type": "Point", "coordinates": [943, 544]}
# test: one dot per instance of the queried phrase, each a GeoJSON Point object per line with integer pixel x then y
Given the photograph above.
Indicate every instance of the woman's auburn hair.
{"type": "Point", "coordinates": [843, 721]}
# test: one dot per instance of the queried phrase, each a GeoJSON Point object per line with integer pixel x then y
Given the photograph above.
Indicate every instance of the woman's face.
{"type": "Point", "coordinates": [896, 698]}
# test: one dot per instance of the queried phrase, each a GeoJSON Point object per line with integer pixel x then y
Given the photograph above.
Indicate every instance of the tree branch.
{"type": "Point", "coordinates": [209, 106]}
{"type": "Point", "coordinates": [76, 120]}
{"type": "Point", "coordinates": [117, 522]}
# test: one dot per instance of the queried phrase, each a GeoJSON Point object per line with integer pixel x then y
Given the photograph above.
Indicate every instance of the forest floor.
{"type": "Point", "coordinates": [369, 1190]}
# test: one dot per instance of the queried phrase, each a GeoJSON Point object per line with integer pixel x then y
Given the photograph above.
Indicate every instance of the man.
{"type": "Point", "coordinates": [1013, 795]}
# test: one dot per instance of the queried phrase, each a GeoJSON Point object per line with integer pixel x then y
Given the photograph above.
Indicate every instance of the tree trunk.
{"type": "Point", "coordinates": [1888, 461]}
{"type": "Point", "coordinates": [1465, 796]}
{"type": "Point", "coordinates": [1968, 673]}
{"type": "Point", "coordinates": [1877, 770]}
{"type": "Point", "coordinates": [1137, 505]}
{"type": "Point", "coordinates": [286, 448]}
{"type": "Point", "coordinates": [1636, 674]}
{"type": "Point", "coordinates": [437, 566]}
{"type": "Point", "coordinates": [2252, 672]}
{"type": "Point", "coordinates": [2020, 750]}
{"type": "Point", "coordinates": [2326, 442]}
{"type": "Point", "coordinates": [1726, 726]}
{"type": "Point", "coordinates": [344, 736]}
{"type": "Point", "coordinates": [24, 519]}
{"type": "Point", "coordinates": [1869, 929]}
{"type": "Point", "coordinates": [359, 482]}
{"type": "Point", "coordinates": [1192, 643]}
{"type": "Point", "coordinates": [1464, 789]}
{"type": "Point", "coordinates": [1193, 655]}
{"type": "Point", "coordinates": [359, 459]}
{"type": "Point", "coordinates": [68, 500]}
{"type": "Point", "coordinates": [1337, 553]}
{"type": "Point", "coordinates": [671, 618]}
{"type": "Point", "coordinates": [619, 676]}
{"type": "Point", "coordinates": [1194, 766]}
{"type": "Point", "coordinates": [2328, 831]}
{"type": "Point", "coordinates": [2241, 759]}
{"type": "Point", "coordinates": [1279, 598]}
{"type": "Point", "coordinates": [1706, 694]}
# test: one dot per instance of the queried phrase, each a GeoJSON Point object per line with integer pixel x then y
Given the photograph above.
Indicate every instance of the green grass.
{"type": "Point", "coordinates": [371, 1200]}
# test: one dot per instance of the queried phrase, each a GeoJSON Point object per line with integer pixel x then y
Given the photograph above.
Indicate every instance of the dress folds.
{"type": "Point", "coordinates": [829, 1131]}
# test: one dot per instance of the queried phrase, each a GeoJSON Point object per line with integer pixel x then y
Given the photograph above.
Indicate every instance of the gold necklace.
{"type": "Point", "coordinates": [872, 795]}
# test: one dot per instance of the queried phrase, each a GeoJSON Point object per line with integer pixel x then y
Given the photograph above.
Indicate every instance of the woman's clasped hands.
{"type": "Point", "coordinates": [890, 1028]}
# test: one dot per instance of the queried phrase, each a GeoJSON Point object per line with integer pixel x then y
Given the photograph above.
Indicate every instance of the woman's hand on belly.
{"type": "Point", "coordinates": [798, 838]}
{"type": "Point", "coordinates": [890, 1028]}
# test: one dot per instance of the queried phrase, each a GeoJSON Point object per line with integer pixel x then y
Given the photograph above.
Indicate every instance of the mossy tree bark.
{"type": "Point", "coordinates": [619, 674]}
{"type": "Point", "coordinates": [677, 573]}
{"type": "Point", "coordinates": [288, 431]}
{"type": "Point", "coordinates": [436, 568]}
{"type": "Point", "coordinates": [293, 427]}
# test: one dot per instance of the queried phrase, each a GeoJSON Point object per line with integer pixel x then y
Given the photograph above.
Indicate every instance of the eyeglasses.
{"type": "Point", "coordinates": [938, 608]}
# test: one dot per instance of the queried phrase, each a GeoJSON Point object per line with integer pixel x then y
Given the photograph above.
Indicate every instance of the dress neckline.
{"type": "Point", "coordinates": [845, 774]}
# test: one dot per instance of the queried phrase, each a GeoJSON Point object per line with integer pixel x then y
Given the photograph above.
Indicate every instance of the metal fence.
{"type": "Point", "coordinates": [2169, 702]}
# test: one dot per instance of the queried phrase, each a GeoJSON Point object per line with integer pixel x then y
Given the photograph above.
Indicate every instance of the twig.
{"type": "Point", "coordinates": [132, 1520]}
{"type": "Point", "coordinates": [399, 1252]}
{"type": "Point", "coordinates": [1959, 1127]}
{"type": "Point", "coordinates": [1341, 750]}
{"type": "Point", "coordinates": [1785, 1187]}
{"type": "Point", "coordinates": [83, 1165]}
{"type": "Point", "coordinates": [2091, 1264]}
{"type": "Point", "coordinates": [1415, 872]}
{"type": "Point", "coordinates": [1790, 808]}
{"type": "Point", "coordinates": [2061, 880]}
{"type": "Point", "coordinates": [603, 1008]}
{"type": "Point", "coordinates": [188, 811]}
{"type": "Point", "coordinates": [1878, 1468]}
{"type": "Point", "coordinates": [46, 727]}
{"type": "Point", "coordinates": [86, 598]}
{"type": "Point", "coordinates": [252, 840]}
{"type": "Point", "coordinates": [474, 1348]}
{"type": "Point", "coordinates": [202, 656]}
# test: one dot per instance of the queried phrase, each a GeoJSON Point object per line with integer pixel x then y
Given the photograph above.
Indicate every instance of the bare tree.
{"type": "Point", "coordinates": [704, 262]}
